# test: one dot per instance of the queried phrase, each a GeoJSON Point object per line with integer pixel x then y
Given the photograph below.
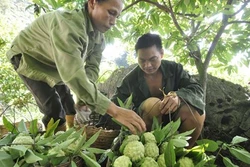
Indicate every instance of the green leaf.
{"type": "Point", "coordinates": [121, 104]}
{"type": "Point", "coordinates": [189, 132]}
{"type": "Point", "coordinates": [96, 150]}
{"type": "Point", "coordinates": [156, 124]}
{"type": "Point", "coordinates": [33, 127]}
{"type": "Point", "coordinates": [58, 160]}
{"type": "Point", "coordinates": [9, 126]}
{"type": "Point", "coordinates": [159, 135]}
{"type": "Point", "coordinates": [7, 139]}
{"type": "Point", "coordinates": [106, 154]}
{"type": "Point", "coordinates": [238, 139]}
{"type": "Point", "coordinates": [45, 159]}
{"type": "Point", "coordinates": [30, 157]}
{"type": "Point", "coordinates": [51, 127]}
{"type": "Point", "coordinates": [89, 161]}
{"type": "Point", "coordinates": [169, 154]}
{"type": "Point", "coordinates": [79, 145]}
{"type": "Point", "coordinates": [53, 3]}
{"type": "Point", "coordinates": [22, 126]}
{"type": "Point", "coordinates": [61, 137]}
{"type": "Point", "coordinates": [128, 102]}
{"type": "Point", "coordinates": [57, 152]}
{"type": "Point", "coordinates": [91, 140]}
{"type": "Point", "coordinates": [208, 162]}
{"type": "Point", "coordinates": [73, 164]}
{"type": "Point", "coordinates": [228, 162]}
{"type": "Point", "coordinates": [45, 141]}
{"type": "Point", "coordinates": [17, 151]}
{"type": "Point", "coordinates": [210, 145]}
{"type": "Point", "coordinates": [196, 153]}
{"type": "Point", "coordinates": [5, 159]}
{"type": "Point", "coordinates": [179, 143]}
{"type": "Point", "coordinates": [174, 127]}
{"type": "Point", "coordinates": [241, 154]}
{"type": "Point", "coordinates": [66, 143]}
{"type": "Point", "coordinates": [186, 2]}
{"type": "Point", "coordinates": [155, 19]}
{"type": "Point", "coordinates": [76, 134]}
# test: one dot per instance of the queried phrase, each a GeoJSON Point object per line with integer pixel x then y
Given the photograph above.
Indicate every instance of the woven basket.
{"type": "Point", "coordinates": [105, 139]}
{"type": "Point", "coordinates": [106, 136]}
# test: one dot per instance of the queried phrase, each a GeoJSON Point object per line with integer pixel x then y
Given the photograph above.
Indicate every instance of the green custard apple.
{"type": "Point", "coordinates": [185, 162]}
{"type": "Point", "coordinates": [134, 150]}
{"type": "Point", "coordinates": [151, 150]}
{"type": "Point", "coordinates": [23, 140]}
{"type": "Point", "coordinates": [128, 139]}
{"type": "Point", "coordinates": [149, 137]}
{"type": "Point", "coordinates": [122, 161]}
{"type": "Point", "coordinates": [149, 162]}
{"type": "Point", "coordinates": [161, 161]}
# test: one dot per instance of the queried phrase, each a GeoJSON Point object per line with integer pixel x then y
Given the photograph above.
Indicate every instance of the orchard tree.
{"type": "Point", "coordinates": [200, 32]}
{"type": "Point", "coordinates": [205, 34]}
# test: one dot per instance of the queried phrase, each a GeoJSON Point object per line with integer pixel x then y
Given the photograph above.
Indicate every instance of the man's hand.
{"type": "Point", "coordinates": [128, 118]}
{"type": "Point", "coordinates": [169, 104]}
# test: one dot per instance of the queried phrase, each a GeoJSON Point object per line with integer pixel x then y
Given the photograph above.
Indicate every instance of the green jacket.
{"type": "Point", "coordinates": [62, 47]}
{"type": "Point", "coordinates": [174, 79]}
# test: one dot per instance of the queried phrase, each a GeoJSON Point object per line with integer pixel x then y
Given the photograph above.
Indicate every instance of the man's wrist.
{"type": "Point", "coordinates": [112, 111]}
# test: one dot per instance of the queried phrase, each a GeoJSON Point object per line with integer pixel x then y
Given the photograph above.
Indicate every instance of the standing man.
{"type": "Point", "coordinates": [61, 51]}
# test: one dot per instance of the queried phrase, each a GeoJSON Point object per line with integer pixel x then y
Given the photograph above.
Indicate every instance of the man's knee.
{"type": "Point", "coordinates": [189, 112]}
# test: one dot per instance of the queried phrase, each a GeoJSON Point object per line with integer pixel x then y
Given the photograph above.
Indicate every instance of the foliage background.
{"type": "Point", "coordinates": [144, 16]}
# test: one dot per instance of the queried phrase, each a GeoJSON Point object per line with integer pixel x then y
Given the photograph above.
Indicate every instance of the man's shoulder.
{"type": "Point", "coordinates": [133, 73]}
{"type": "Point", "coordinates": [169, 63]}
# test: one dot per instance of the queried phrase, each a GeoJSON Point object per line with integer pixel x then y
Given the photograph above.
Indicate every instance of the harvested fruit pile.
{"type": "Point", "coordinates": [162, 147]}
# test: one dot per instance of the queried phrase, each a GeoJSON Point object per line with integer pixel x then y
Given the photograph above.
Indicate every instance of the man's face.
{"type": "Point", "coordinates": [149, 59]}
{"type": "Point", "coordinates": [104, 14]}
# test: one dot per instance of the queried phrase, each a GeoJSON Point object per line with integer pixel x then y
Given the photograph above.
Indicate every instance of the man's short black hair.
{"type": "Point", "coordinates": [148, 40]}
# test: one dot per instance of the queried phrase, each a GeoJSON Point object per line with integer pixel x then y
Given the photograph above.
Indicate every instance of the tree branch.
{"type": "Point", "coordinates": [132, 4]}
{"type": "Point", "coordinates": [238, 22]}
{"type": "Point", "coordinates": [241, 8]}
{"type": "Point", "coordinates": [175, 20]}
{"type": "Point", "coordinates": [195, 28]}
{"type": "Point", "coordinates": [162, 7]}
{"type": "Point", "coordinates": [217, 37]}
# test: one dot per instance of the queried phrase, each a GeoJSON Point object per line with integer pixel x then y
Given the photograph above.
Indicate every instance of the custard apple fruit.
{"type": "Point", "coordinates": [23, 140]}
{"type": "Point", "coordinates": [128, 139]}
{"type": "Point", "coordinates": [122, 161]}
{"type": "Point", "coordinates": [163, 147]}
{"type": "Point", "coordinates": [149, 137]}
{"type": "Point", "coordinates": [149, 162]}
{"type": "Point", "coordinates": [151, 150]}
{"type": "Point", "coordinates": [185, 162]}
{"type": "Point", "coordinates": [161, 161]}
{"type": "Point", "coordinates": [134, 150]}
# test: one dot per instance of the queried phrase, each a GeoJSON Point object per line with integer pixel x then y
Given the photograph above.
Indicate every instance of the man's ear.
{"type": "Point", "coordinates": [162, 52]}
{"type": "Point", "coordinates": [91, 3]}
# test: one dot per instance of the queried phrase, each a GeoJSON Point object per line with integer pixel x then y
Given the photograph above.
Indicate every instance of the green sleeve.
{"type": "Point", "coordinates": [68, 49]}
{"type": "Point", "coordinates": [93, 62]}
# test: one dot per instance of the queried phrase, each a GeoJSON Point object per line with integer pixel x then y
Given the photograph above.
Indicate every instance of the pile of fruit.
{"type": "Point", "coordinates": [22, 147]}
{"type": "Point", "coordinates": [144, 152]}
{"type": "Point", "coordinates": [162, 147]}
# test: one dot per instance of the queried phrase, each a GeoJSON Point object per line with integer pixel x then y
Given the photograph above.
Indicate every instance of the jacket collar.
{"type": "Point", "coordinates": [96, 35]}
{"type": "Point", "coordinates": [166, 73]}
